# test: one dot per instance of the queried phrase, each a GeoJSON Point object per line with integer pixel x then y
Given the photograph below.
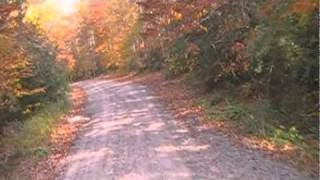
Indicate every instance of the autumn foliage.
{"type": "Point", "coordinates": [260, 56]}
{"type": "Point", "coordinates": [263, 51]}
{"type": "Point", "coordinates": [29, 74]}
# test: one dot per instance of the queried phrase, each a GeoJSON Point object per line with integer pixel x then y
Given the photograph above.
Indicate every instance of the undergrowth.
{"type": "Point", "coordinates": [29, 140]}
{"type": "Point", "coordinates": [257, 118]}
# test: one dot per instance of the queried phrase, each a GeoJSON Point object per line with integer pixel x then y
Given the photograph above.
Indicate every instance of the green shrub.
{"type": "Point", "coordinates": [284, 53]}
{"type": "Point", "coordinates": [263, 49]}
{"type": "Point", "coordinates": [44, 81]}
{"type": "Point", "coordinates": [260, 119]}
{"type": "Point", "coordinates": [29, 139]}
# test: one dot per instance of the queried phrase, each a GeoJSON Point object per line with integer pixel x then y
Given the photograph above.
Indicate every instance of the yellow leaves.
{"type": "Point", "coordinates": [24, 92]}
{"type": "Point", "coordinates": [52, 10]}
{"type": "Point", "coordinates": [50, 14]}
{"type": "Point", "coordinates": [13, 64]}
{"type": "Point", "coordinates": [113, 22]}
{"type": "Point", "coordinates": [204, 28]}
{"type": "Point", "coordinates": [35, 14]}
{"type": "Point", "coordinates": [53, 18]}
{"type": "Point", "coordinates": [177, 15]}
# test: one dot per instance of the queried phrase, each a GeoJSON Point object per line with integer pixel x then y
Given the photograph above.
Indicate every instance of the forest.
{"type": "Point", "coordinates": [256, 61]}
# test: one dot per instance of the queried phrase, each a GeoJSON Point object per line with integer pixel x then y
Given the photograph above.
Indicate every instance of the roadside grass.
{"type": "Point", "coordinates": [260, 120]}
{"type": "Point", "coordinates": [28, 141]}
{"type": "Point", "coordinates": [256, 120]}
{"type": "Point", "coordinates": [251, 121]}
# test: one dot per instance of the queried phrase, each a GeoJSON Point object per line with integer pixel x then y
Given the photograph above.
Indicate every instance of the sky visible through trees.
{"type": "Point", "coordinates": [265, 51]}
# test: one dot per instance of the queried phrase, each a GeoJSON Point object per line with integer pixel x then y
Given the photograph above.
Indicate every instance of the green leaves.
{"type": "Point", "coordinates": [29, 73]}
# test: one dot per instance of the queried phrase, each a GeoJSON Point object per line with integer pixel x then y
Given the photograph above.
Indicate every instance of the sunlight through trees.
{"type": "Point", "coordinates": [262, 55]}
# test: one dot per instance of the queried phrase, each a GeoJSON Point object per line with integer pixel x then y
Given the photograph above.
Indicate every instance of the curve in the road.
{"type": "Point", "coordinates": [131, 136]}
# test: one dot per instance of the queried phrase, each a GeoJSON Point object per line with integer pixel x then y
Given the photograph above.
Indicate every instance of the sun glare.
{"type": "Point", "coordinates": [67, 6]}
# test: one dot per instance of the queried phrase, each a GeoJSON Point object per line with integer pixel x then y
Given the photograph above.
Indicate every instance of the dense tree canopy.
{"type": "Point", "coordinates": [267, 48]}
{"type": "Point", "coordinates": [29, 74]}
{"type": "Point", "coordinates": [263, 50]}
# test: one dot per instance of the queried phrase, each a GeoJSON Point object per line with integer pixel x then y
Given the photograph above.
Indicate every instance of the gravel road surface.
{"type": "Point", "coordinates": [131, 136]}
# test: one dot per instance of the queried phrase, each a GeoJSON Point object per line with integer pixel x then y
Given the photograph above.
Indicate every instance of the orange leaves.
{"type": "Point", "coordinates": [57, 23]}
{"type": "Point", "coordinates": [298, 7]}
{"type": "Point", "coordinates": [7, 9]}
{"type": "Point", "coordinates": [178, 16]}
{"type": "Point", "coordinates": [13, 64]}
{"type": "Point", "coordinates": [102, 47]}
{"type": "Point", "coordinates": [303, 6]}
{"type": "Point", "coordinates": [112, 22]}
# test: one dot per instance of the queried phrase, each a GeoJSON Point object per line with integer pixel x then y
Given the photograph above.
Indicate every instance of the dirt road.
{"type": "Point", "coordinates": [131, 136]}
